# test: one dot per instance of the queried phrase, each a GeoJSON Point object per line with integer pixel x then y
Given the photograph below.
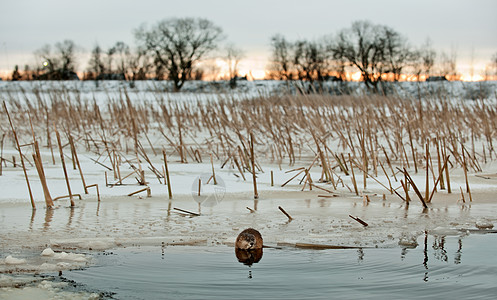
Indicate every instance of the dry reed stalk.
{"type": "Point", "coordinates": [1, 154]}
{"type": "Point", "coordinates": [447, 169]}
{"type": "Point", "coordinates": [21, 155]}
{"type": "Point", "coordinates": [300, 172]}
{"type": "Point", "coordinates": [252, 159]}
{"type": "Point", "coordinates": [213, 172]}
{"type": "Point", "coordinates": [96, 187]}
{"type": "Point", "coordinates": [199, 186]}
{"type": "Point", "coordinates": [167, 176]}
{"type": "Point", "coordinates": [412, 149]}
{"type": "Point", "coordinates": [466, 175]}
{"type": "Point", "coordinates": [239, 168]}
{"type": "Point", "coordinates": [149, 193]}
{"type": "Point", "coordinates": [406, 191]}
{"type": "Point", "coordinates": [359, 220]}
{"type": "Point", "coordinates": [389, 164]}
{"type": "Point", "coordinates": [43, 180]}
{"type": "Point", "coordinates": [76, 160]}
{"type": "Point", "coordinates": [186, 211]}
{"type": "Point", "coordinates": [250, 209]}
{"type": "Point", "coordinates": [353, 175]}
{"type": "Point", "coordinates": [286, 214]}
{"type": "Point", "coordinates": [272, 179]}
{"type": "Point", "coordinates": [64, 166]}
{"type": "Point", "coordinates": [68, 196]}
{"type": "Point", "coordinates": [427, 187]}
{"type": "Point", "coordinates": [364, 160]}
{"type": "Point", "coordinates": [438, 179]}
{"type": "Point", "coordinates": [386, 175]}
{"type": "Point", "coordinates": [372, 177]}
{"type": "Point", "coordinates": [416, 190]}
{"type": "Point", "coordinates": [462, 195]}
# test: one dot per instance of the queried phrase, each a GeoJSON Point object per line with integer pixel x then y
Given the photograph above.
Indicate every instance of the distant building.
{"type": "Point", "coordinates": [436, 78]}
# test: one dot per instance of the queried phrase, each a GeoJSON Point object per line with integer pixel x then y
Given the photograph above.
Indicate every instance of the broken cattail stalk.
{"type": "Point", "coordinates": [252, 159]}
{"type": "Point", "coordinates": [465, 168]}
{"type": "Point", "coordinates": [199, 186]}
{"type": "Point", "coordinates": [250, 209]}
{"type": "Point", "coordinates": [286, 214]}
{"type": "Point", "coordinates": [149, 193]}
{"type": "Point", "coordinates": [167, 175]}
{"type": "Point", "coordinates": [64, 165]}
{"type": "Point", "coordinates": [353, 175]}
{"type": "Point", "coordinates": [43, 180]}
{"type": "Point", "coordinates": [76, 160]}
{"type": "Point", "coordinates": [416, 190]}
{"type": "Point", "coordinates": [20, 154]}
{"type": "Point", "coordinates": [186, 211]}
{"type": "Point", "coordinates": [359, 220]}
{"type": "Point", "coordinates": [213, 172]}
{"type": "Point", "coordinates": [96, 187]}
{"type": "Point", "coordinates": [427, 187]}
{"type": "Point", "coordinates": [68, 196]}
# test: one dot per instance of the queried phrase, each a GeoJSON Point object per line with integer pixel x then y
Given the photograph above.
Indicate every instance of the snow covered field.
{"type": "Point", "coordinates": [193, 122]}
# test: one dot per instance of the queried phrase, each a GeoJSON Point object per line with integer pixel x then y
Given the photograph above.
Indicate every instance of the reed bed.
{"type": "Point", "coordinates": [384, 139]}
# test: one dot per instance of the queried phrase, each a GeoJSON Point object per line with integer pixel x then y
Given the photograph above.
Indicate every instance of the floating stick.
{"type": "Point", "coordinates": [286, 214]}
{"type": "Point", "coordinates": [149, 193]}
{"type": "Point", "coordinates": [186, 211]}
{"type": "Point", "coordinates": [359, 220]}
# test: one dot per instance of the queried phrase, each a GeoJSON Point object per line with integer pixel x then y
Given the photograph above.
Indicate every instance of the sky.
{"type": "Point", "coordinates": [467, 27]}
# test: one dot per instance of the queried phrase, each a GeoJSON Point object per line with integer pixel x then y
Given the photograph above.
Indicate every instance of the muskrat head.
{"type": "Point", "coordinates": [246, 241]}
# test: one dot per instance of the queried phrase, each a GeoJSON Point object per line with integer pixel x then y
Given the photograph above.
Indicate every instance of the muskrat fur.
{"type": "Point", "coordinates": [249, 239]}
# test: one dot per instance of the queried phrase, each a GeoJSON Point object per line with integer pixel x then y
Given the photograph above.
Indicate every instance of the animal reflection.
{"type": "Point", "coordinates": [248, 246]}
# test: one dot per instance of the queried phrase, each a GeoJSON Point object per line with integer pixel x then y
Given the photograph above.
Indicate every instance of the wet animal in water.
{"type": "Point", "coordinates": [249, 239]}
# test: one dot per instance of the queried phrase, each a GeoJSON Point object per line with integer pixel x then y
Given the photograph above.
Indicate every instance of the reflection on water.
{"type": "Point", "coordinates": [248, 257]}
{"type": "Point", "coordinates": [442, 268]}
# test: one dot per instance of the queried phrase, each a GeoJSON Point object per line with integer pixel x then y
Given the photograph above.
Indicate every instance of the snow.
{"type": "Point", "coordinates": [51, 240]}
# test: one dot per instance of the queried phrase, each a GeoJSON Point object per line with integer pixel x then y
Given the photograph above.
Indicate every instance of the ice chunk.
{"type": "Point", "coordinates": [48, 252]}
{"type": "Point", "coordinates": [9, 260]}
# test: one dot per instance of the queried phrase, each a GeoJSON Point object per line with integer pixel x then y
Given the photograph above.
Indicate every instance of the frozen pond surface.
{"type": "Point", "coordinates": [440, 267]}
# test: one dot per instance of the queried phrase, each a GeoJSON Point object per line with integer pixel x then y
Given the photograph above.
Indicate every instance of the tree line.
{"type": "Point", "coordinates": [173, 49]}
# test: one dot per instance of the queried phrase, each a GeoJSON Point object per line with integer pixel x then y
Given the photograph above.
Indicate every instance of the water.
{"type": "Point", "coordinates": [440, 267]}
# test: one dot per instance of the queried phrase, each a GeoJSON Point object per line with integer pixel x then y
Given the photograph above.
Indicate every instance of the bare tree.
{"type": "Point", "coordinates": [233, 57]}
{"type": "Point", "coordinates": [397, 53]}
{"type": "Point", "coordinates": [122, 53]}
{"type": "Point", "coordinates": [362, 46]}
{"type": "Point", "coordinates": [96, 64]}
{"type": "Point", "coordinates": [310, 61]}
{"type": "Point", "coordinates": [179, 44]}
{"type": "Point", "coordinates": [60, 64]}
{"type": "Point", "coordinates": [139, 64]}
{"type": "Point", "coordinates": [281, 60]}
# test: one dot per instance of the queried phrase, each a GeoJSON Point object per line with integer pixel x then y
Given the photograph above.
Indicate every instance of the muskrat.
{"type": "Point", "coordinates": [249, 239]}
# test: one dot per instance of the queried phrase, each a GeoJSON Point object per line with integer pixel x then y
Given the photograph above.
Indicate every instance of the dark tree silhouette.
{"type": "Point", "coordinates": [178, 44]}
